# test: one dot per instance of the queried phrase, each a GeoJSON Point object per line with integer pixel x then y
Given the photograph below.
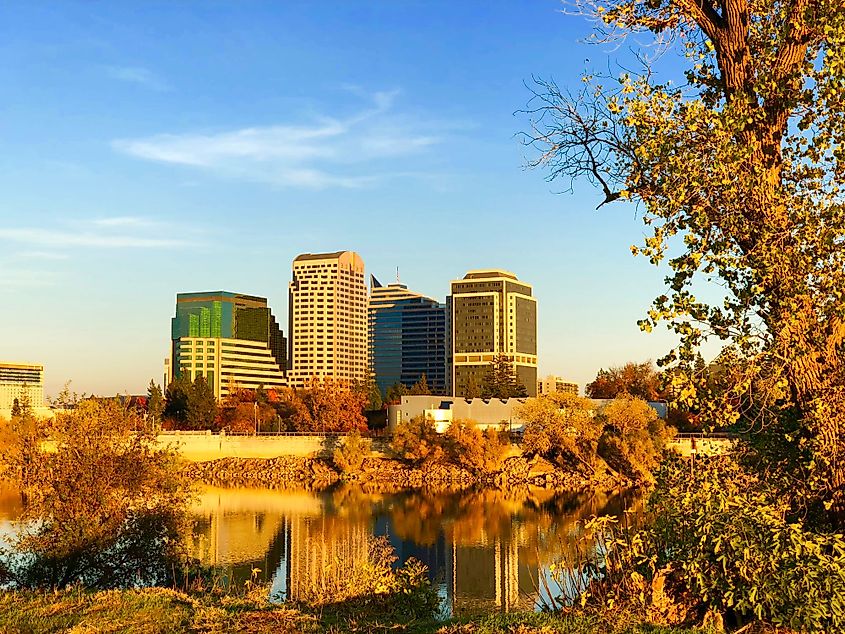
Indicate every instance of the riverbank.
{"type": "Point", "coordinates": [318, 473]}
{"type": "Point", "coordinates": [160, 611]}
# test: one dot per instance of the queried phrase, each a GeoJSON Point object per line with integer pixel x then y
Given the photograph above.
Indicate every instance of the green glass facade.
{"type": "Point", "coordinates": [221, 314]}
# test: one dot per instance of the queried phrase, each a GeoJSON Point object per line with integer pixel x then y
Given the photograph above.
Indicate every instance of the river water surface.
{"type": "Point", "coordinates": [485, 550]}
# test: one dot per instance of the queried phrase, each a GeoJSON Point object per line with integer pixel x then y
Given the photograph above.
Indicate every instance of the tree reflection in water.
{"type": "Point", "coordinates": [484, 549]}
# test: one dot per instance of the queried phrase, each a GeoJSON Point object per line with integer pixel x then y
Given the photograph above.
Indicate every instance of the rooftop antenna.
{"type": "Point", "coordinates": [398, 281]}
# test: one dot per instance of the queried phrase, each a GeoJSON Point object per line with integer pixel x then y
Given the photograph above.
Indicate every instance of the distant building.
{"type": "Point", "coordinates": [407, 337]}
{"type": "Point", "coordinates": [230, 339]}
{"type": "Point", "coordinates": [328, 318]}
{"type": "Point", "coordinates": [492, 313]}
{"type": "Point", "coordinates": [24, 382]}
{"type": "Point", "coordinates": [556, 384]}
{"type": "Point", "coordinates": [484, 412]}
{"type": "Point", "coordinates": [493, 412]}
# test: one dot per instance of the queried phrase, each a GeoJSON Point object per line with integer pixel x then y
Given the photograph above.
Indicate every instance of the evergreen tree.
{"type": "Point", "coordinates": [155, 404]}
{"type": "Point", "coordinates": [501, 381]}
{"type": "Point", "coordinates": [473, 390]}
{"type": "Point", "coordinates": [16, 408]}
{"type": "Point", "coordinates": [420, 388]}
{"type": "Point", "coordinates": [176, 400]}
{"type": "Point", "coordinates": [395, 393]}
{"type": "Point", "coordinates": [374, 400]}
{"type": "Point", "coordinates": [202, 406]}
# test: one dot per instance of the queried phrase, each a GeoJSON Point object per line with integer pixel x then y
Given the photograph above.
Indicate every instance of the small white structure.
{"type": "Point", "coordinates": [490, 412]}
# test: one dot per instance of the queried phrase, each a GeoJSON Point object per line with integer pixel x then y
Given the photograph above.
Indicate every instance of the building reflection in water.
{"type": "Point", "coordinates": [485, 551]}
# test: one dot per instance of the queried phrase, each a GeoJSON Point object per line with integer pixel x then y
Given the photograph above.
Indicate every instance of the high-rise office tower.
{"type": "Point", "coordinates": [230, 339]}
{"type": "Point", "coordinates": [21, 382]}
{"type": "Point", "coordinates": [328, 318]}
{"type": "Point", "coordinates": [492, 313]}
{"type": "Point", "coordinates": [407, 337]}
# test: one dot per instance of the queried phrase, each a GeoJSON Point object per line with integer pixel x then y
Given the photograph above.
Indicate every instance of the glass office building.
{"type": "Point", "coordinates": [407, 337]}
{"type": "Point", "coordinates": [231, 339]}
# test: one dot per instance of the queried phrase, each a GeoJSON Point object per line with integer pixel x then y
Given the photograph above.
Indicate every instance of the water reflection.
{"type": "Point", "coordinates": [485, 550]}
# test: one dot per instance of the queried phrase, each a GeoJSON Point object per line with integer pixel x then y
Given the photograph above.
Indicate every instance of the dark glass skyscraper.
{"type": "Point", "coordinates": [220, 315]}
{"type": "Point", "coordinates": [407, 337]}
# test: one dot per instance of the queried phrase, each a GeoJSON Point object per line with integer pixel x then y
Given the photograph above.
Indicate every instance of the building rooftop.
{"type": "Point", "coordinates": [481, 274]}
{"type": "Point", "coordinates": [22, 366]}
{"type": "Point", "coordinates": [319, 256]}
{"type": "Point", "coordinates": [221, 295]}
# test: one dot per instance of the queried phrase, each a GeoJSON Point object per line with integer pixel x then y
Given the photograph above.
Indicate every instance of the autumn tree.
{"type": "Point", "coordinates": [562, 428]}
{"type": "Point", "coordinates": [350, 455]}
{"type": "Point", "coordinates": [417, 441]}
{"type": "Point", "coordinates": [481, 452]}
{"type": "Point", "coordinates": [737, 168]}
{"type": "Point", "coordinates": [328, 405]}
{"type": "Point", "coordinates": [105, 508]}
{"type": "Point", "coordinates": [634, 437]}
{"type": "Point", "coordinates": [500, 380]}
{"type": "Point", "coordinates": [637, 379]}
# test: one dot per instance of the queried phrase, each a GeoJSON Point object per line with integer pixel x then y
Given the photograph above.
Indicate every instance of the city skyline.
{"type": "Point", "coordinates": [282, 132]}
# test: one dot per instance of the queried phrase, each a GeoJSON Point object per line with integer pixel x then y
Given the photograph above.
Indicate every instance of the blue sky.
{"type": "Point", "coordinates": [158, 147]}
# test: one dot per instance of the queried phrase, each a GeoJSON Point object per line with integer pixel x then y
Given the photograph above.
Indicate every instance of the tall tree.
{"type": "Point", "coordinates": [473, 389]}
{"type": "Point", "coordinates": [202, 406]}
{"type": "Point", "coordinates": [395, 393]}
{"type": "Point", "coordinates": [421, 387]}
{"type": "Point", "coordinates": [738, 170]}
{"type": "Point", "coordinates": [501, 381]}
{"type": "Point", "coordinates": [176, 399]}
{"type": "Point", "coordinates": [16, 408]}
{"type": "Point", "coordinates": [155, 404]}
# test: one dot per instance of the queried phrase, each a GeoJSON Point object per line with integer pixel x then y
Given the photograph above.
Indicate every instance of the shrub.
{"type": "Point", "coordinates": [105, 509]}
{"type": "Point", "coordinates": [634, 436]}
{"type": "Point", "coordinates": [350, 456]}
{"type": "Point", "coordinates": [479, 452]}
{"type": "Point", "coordinates": [722, 540]}
{"type": "Point", "coordinates": [361, 570]}
{"type": "Point", "coordinates": [417, 441]}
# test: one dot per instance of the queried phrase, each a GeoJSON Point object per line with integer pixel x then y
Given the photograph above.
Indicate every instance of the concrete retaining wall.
{"type": "Point", "coordinates": [203, 447]}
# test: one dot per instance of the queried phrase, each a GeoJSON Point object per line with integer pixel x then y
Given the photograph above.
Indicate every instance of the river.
{"type": "Point", "coordinates": [485, 550]}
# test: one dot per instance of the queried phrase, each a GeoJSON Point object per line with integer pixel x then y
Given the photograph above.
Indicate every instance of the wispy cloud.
{"type": "Point", "coordinates": [124, 221]}
{"type": "Point", "coordinates": [41, 255]}
{"type": "Point", "coordinates": [48, 238]}
{"type": "Point", "coordinates": [13, 278]}
{"type": "Point", "coordinates": [138, 75]}
{"type": "Point", "coordinates": [106, 232]}
{"type": "Point", "coordinates": [349, 152]}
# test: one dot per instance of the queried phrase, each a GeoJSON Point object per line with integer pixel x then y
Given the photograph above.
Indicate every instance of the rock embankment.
{"type": "Point", "coordinates": [316, 473]}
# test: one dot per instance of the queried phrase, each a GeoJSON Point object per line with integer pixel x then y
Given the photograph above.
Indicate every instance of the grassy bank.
{"type": "Point", "coordinates": [158, 611]}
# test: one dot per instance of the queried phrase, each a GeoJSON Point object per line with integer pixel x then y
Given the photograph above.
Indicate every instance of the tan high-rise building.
{"type": "Point", "coordinates": [492, 313]}
{"type": "Point", "coordinates": [24, 383]}
{"type": "Point", "coordinates": [328, 318]}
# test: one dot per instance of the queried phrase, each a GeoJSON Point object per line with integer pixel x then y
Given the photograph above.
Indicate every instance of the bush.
{"type": "Point", "coordinates": [723, 541]}
{"type": "Point", "coordinates": [105, 509]}
{"type": "Point", "coordinates": [350, 456]}
{"type": "Point", "coordinates": [477, 451]}
{"type": "Point", "coordinates": [417, 441]}
{"type": "Point", "coordinates": [363, 572]}
{"type": "Point", "coordinates": [634, 437]}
